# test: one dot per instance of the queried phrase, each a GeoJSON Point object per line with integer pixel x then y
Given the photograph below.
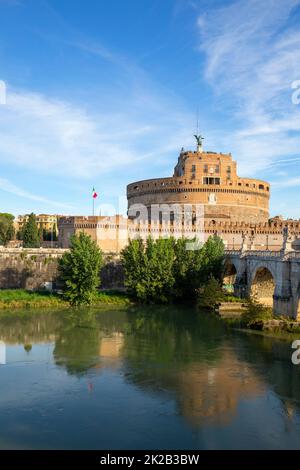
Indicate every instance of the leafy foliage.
{"type": "Point", "coordinates": [49, 235]}
{"type": "Point", "coordinates": [80, 270]}
{"type": "Point", "coordinates": [7, 230]}
{"type": "Point", "coordinates": [30, 233]}
{"type": "Point", "coordinates": [255, 315]}
{"type": "Point", "coordinates": [211, 294]}
{"type": "Point", "coordinates": [165, 269]}
{"type": "Point", "coordinates": [149, 269]}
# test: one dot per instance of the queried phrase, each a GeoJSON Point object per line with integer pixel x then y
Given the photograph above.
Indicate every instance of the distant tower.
{"type": "Point", "coordinates": [199, 140]}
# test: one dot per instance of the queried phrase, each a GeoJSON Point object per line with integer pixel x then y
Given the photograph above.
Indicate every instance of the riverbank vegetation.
{"type": "Point", "coordinates": [22, 299]}
{"type": "Point", "coordinates": [255, 315]}
{"type": "Point", "coordinates": [169, 270]}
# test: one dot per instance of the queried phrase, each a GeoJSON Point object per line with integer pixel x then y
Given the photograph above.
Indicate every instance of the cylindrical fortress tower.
{"type": "Point", "coordinates": [209, 179]}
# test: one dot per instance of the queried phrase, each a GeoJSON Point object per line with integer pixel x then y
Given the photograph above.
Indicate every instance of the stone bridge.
{"type": "Point", "coordinates": [272, 277]}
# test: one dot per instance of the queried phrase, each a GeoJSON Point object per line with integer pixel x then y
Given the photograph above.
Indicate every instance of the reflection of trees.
{"type": "Point", "coordinates": [87, 339]}
{"type": "Point", "coordinates": [190, 356]}
{"type": "Point", "coordinates": [169, 335]}
{"type": "Point", "coordinates": [165, 350]}
{"type": "Point", "coordinates": [76, 346]}
{"type": "Point", "coordinates": [30, 327]}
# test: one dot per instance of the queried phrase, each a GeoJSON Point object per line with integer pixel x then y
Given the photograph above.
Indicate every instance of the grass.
{"type": "Point", "coordinates": [113, 297]}
{"type": "Point", "coordinates": [21, 298]}
{"type": "Point", "coordinates": [233, 299]}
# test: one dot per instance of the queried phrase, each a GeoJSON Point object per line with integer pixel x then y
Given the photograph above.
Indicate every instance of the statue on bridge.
{"type": "Point", "coordinates": [287, 240]}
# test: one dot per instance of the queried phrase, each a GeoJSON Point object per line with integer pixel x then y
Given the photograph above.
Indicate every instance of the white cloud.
{"type": "Point", "coordinates": [58, 138]}
{"type": "Point", "coordinates": [252, 57]}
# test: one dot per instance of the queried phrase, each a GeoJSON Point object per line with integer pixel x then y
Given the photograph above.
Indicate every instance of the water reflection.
{"type": "Point", "coordinates": [176, 355]}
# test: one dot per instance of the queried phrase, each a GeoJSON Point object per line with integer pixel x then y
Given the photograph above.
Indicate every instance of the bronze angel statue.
{"type": "Point", "coordinates": [199, 139]}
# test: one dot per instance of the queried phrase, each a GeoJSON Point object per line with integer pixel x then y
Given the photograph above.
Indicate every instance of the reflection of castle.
{"type": "Point", "coordinates": [214, 393]}
{"type": "Point", "coordinates": [205, 182]}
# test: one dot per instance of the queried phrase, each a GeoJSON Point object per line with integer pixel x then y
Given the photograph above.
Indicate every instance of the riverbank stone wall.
{"type": "Point", "coordinates": [36, 269]}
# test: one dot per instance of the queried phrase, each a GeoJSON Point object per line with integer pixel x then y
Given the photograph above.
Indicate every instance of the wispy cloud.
{"type": "Point", "coordinates": [56, 137]}
{"type": "Point", "coordinates": [287, 182]}
{"type": "Point", "coordinates": [252, 57]}
{"type": "Point", "coordinates": [9, 187]}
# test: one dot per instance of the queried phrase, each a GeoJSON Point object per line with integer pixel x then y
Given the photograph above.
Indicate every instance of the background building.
{"type": "Point", "coordinates": [45, 222]}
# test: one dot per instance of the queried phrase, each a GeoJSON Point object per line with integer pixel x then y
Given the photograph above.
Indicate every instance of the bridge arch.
{"type": "Point", "coordinates": [262, 285]}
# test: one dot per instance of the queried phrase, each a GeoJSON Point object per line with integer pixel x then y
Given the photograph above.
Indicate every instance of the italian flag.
{"type": "Point", "coordinates": [94, 194]}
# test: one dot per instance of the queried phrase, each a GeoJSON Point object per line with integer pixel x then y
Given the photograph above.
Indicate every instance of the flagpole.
{"type": "Point", "coordinates": [94, 196]}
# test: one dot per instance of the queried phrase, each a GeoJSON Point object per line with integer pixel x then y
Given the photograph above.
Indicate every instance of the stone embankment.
{"type": "Point", "coordinates": [37, 268]}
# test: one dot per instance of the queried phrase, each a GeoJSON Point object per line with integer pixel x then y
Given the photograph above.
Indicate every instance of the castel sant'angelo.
{"type": "Point", "coordinates": [235, 208]}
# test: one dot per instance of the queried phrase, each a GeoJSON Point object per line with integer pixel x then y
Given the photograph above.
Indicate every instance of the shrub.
{"type": "Point", "coordinates": [255, 315]}
{"type": "Point", "coordinates": [211, 294]}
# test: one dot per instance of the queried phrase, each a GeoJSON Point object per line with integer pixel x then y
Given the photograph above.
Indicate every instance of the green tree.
{"type": "Point", "coordinates": [193, 268]}
{"type": "Point", "coordinates": [148, 269]}
{"type": "Point", "coordinates": [166, 269]}
{"type": "Point", "coordinates": [80, 270]}
{"type": "Point", "coordinates": [187, 269]}
{"type": "Point", "coordinates": [212, 258]}
{"type": "Point", "coordinates": [30, 233]}
{"type": "Point", "coordinates": [7, 230]}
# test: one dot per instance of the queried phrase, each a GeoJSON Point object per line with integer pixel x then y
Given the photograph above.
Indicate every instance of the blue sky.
{"type": "Point", "coordinates": [102, 93]}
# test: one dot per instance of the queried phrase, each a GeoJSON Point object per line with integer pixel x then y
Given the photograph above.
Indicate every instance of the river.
{"type": "Point", "coordinates": [143, 378]}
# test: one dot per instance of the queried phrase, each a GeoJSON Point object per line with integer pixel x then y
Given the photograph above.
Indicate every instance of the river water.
{"type": "Point", "coordinates": [143, 378]}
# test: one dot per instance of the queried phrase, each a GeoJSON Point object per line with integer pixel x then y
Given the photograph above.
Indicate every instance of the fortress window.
{"type": "Point", "coordinates": [205, 168]}
{"type": "Point", "coordinates": [136, 187]}
{"type": "Point", "coordinates": [193, 168]}
{"type": "Point", "coordinates": [217, 169]}
{"type": "Point", "coordinates": [261, 186]}
{"type": "Point", "coordinates": [211, 180]}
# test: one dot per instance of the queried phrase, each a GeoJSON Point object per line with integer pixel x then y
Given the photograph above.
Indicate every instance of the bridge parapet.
{"type": "Point", "coordinates": [293, 255]}
{"type": "Point", "coordinates": [263, 268]}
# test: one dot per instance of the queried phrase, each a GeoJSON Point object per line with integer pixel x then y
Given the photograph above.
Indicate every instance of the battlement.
{"type": "Point", "coordinates": [112, 233]}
